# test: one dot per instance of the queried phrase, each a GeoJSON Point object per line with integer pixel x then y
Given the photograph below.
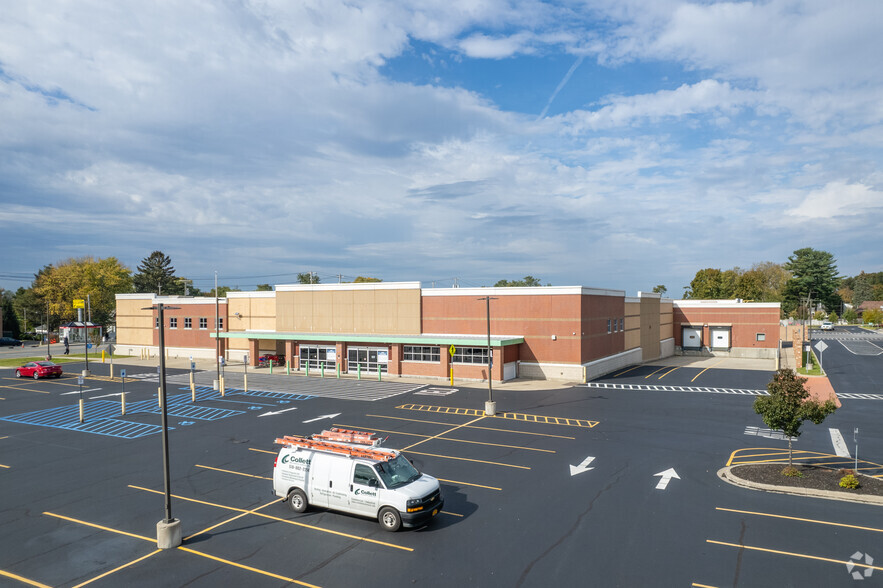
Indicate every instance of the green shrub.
{"type": "Point", "coordinates": [849, 481]}
{"type": "Point", "coordinates": [792, 472]}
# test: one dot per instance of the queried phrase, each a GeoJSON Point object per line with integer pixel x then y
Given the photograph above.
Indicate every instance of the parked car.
{"type": "Point", "coordinates": [38, 369]}
{"type": "Point", "coordinates": [9, 341]}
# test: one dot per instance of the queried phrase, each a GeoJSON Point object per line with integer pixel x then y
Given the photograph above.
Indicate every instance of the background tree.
{"type": "Point", "coordinates": [156, 274]}
{"type": "Point", "coordinates": [8, 317]}
{"type": "Point", "coordinates": [712, 284]}
{"type": "Point", "coordinates": [872, 316]}
{"type": "Point", "coordinates": [819, 315]}
{"type": "Point", "coordinates": [365, 280]}
{"type": "Point", "coordinates": [789, 404]}
{"type": "Point", "coordinates": [814, 274]}
{"type": "Point", "coordinates": [850, 315]}
{"type": "Point", "coordinates": [862, 290]}
{"type": "Point", "coordinates": [527, 281]}
{"type": "Point", "coordinates": [660, 289]}
{"type": "Point", "coordinates": [264, 288]}
{"type": "Point", "coordinates": [307, 278]}
{"type": "Point", "coordinates": [833, 317]}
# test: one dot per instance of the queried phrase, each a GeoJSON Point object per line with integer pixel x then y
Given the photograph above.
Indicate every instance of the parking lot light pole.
{"type": "Point", "coordinates": [490, 407]}
{"type": "Point", "coordinates": [168, 530]}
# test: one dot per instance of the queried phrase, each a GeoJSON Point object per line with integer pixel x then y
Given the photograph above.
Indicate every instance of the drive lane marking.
{"type": "Point", "coordinates": [766, 514]}
{"type": "Point", "coordinates": [626, 371]}
{"type": "Point", "coordinates": [249, 568]}
{"type": "Point", "coordinates": [232, 472]}
{"type": "Point", "coordinates": [263, 451]}
{"type": "Point", "coordinates": [103, 528]}
{"type": "Point", "coordinates": [466, 424]}
{"type": "Point", "coordinates": [792, 554]}
{"type": "Point", "coordinates": [22, 579]}
{"type": "Point", "coordinates": [468, 484]}
{"type": "Point", "coordinates": [124, 566]}
{"type": "Point", "coordinates": [271, 517]}
{"type": "Point", "coordinates": [659, 370]}
{"type": "Point", "coordinates": [668, 372]}
{"type": "Point", "coordinates": [5, 466]}
{"type": "Point", "coordinates": [450, 439]}
{"type": "Point", "coordinates": [24, 389]}
{"type": "Point", "coordinates": [508, 465]}
{"type": "Point", "coordinates": [381, 416]}
{"type": "Point", "coordinates": [839, 444]}
{"type": "Point", "coordinates": [706, 369]}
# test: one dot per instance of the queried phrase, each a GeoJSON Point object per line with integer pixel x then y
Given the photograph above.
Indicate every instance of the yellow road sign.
{"type": "Point", "coordinates": [452, 350]}
{"type": "Point", "coordinates": [79, 303]}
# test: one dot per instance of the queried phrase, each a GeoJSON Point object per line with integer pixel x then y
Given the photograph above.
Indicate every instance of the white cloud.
{"type": "Point", "coordinates": [838, 201]}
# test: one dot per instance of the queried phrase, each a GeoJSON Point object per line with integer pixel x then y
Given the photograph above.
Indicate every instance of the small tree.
{"type": "Point", "coordinates": [850, 315]}
{"type": "Point", "coordinates": [832, 317]}
{"type": "Point", "coordinates": [872, 316]}
{"type": "Point", "coordinates": [660, 289]}
{"type": "Point", "coordinates": [788, 405]}
{"type": "Point", "coordinates": [819, 315]}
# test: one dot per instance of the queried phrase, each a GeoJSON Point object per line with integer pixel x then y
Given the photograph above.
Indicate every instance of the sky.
{"type": "Point", "coordinates": [615, 144]}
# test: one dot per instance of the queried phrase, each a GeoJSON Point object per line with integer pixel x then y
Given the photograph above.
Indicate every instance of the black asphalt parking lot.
{"type": "Point", "coordinates": [567, 484]}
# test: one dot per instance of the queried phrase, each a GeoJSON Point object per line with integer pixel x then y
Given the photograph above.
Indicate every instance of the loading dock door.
{"type": "Point", "coordinates": [692, 338]}
{"type": "Point", "coordinates": [720, 337]}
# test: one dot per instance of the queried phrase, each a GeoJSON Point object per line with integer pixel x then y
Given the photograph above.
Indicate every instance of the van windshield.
{"type": "Point", "coordinates": [397, 472]}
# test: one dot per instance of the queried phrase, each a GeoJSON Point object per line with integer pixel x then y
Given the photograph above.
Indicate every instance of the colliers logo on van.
{"type": "Point", "coordinates": [291, 459]}
{"type": "Point", "coordinates": [365, 492]}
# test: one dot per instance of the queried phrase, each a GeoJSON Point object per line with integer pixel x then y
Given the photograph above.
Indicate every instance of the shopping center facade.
{"type": "Point", "coordinates": [572, 333]}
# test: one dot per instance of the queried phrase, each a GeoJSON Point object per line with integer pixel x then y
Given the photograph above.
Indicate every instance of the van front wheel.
{"type": "Point", "coordinates": [390, 519]}
{"type": "Point", "coordinates": [297, 500]}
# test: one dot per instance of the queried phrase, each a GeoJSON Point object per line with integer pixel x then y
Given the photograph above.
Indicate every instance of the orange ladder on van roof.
{"type": "Point", "coordinates": [343, 441]}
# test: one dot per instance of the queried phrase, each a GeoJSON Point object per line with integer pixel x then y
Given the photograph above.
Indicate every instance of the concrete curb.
{"type": "Point", "coordinates": [726, 474]}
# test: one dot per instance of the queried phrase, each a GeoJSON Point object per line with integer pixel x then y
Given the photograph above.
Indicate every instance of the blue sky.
{"type": "Point", "coordinates": [606, 143]}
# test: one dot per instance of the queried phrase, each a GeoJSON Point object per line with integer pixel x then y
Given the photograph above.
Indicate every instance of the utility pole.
{"type": "Point", "coordinates": [490, 407]}
{"type": "Point", "coordinates": [217, 338]}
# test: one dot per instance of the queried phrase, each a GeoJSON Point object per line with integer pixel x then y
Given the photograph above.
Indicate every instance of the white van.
{"type": "Point", "coordinates": [354, 476]}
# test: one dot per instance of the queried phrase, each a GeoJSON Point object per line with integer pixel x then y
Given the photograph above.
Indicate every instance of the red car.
{"type": "Point", "coordinates": [38, 369]}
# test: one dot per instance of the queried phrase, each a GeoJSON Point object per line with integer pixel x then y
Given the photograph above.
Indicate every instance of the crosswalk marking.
{"type": "Point", "coordinates": [653, 388]}
{"type": "Point", "coordinates": [839, 444]}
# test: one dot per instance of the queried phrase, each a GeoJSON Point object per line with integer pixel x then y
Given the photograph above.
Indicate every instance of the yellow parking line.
{"type": "Point", "coordinates": [775, 516]}
{"type": "Point", "coordinates": [792, 554]}
{"type": "Point", "coordinates": [455, 440]}
{"type": "Point", "coordinates": [669, 371]}
{"type": "Point", "coordinates": [249, 568]}
{"type": "Point", "coordinates": [5, 466]}
{"type": "Point", "coordinates": [103, 528]}
{"type": "Point", "coordinates": [453, 514]}
{"type": "Point", "coordinates": [5, 437]}
{"type": "Point", "coordinates": [445, 432]}
{"type": "Point", "coordinates": [508, 465]}
{"type": "Point", "coordinates": [232, 472]}
{"type": "Point", "coordinates": [271, 517]}
{"type": "Point", "coordinates": [468, 484]}
{"type": "Point", "coordinates": [695, 585]}
{"type": "Point", "coordinates": [23, 579]}
{"type": "Point", "coordinates": [24, 389]}
{"type": "Point", "coordinates": [659, 370]}
{"type": "Point", "coordinates": [626, 371]}
{"type": "Point", "coordinates": [383, 416]}
{"type": "Point", "coordinates": [706, 369]}
{"type": "Point", "coordinates": [263, 451]}
{"type": "Point", "coordinates": [122, 567]}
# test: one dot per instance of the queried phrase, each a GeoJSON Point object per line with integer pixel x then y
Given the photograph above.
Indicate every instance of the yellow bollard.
{"type": "Point", "coordinates": [123, 402]}
{"type": "Point", "coordinates": [245, 382]}
{"type": "Point", "coordinates": [192, 388]}
{"type": "Point", "coordinates": [452, 375]}
{"type": "Point", "coordinates": [82, 418]}
{"type": "Point", "coordinates": [159, 397]}
{"type": "Point", "coordinates": [102, 356]}
{"type": "Point", "coordinates": [111, 371]}
{"type": "Point", "coordinates": [222, 386]}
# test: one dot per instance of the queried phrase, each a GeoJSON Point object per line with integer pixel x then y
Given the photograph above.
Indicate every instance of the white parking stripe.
{"type": "Point", "coordinates": [839, 444]}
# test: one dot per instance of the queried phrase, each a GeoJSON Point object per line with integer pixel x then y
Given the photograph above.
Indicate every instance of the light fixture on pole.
{"type": "Point", "coordinates": [168, 530]}
{"type": "Point", "coordinates": [490, 407]}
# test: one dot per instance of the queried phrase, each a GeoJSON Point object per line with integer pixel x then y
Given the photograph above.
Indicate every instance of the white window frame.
{"type": "Point", "coordinates": [203, 323]}
{"type": "Point", "coordinates": [468, 355]}
{"type": "Point", "coordinates": [173, 322]}
{"type": "Point", "coordinates": [188, 323]}
{"type": "Point", "coordinates": [419, 353]}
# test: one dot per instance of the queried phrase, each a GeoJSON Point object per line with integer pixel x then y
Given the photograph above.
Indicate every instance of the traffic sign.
{"type": "Point", "coordinates": [821, 346]}
{"type": "Point", "coordinates": [122, 373]}
{"type": "Point", "coordinates": [80, 380]}
{"type": "Point", "coordinates": [452, 350]}
{"type": "Point", "coordinates": [79, 303]}
{"type": "Point", "coordinates": [88, 346]}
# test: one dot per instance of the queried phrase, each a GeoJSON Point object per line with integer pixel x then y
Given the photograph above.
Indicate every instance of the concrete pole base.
{"type": "Point", "coordinates": [168, 535]}
{"type": "Point", "coordinates": [86, 373]}
{"type": "Point", "coordinates": [216, 384]}
{"type": "Point", "coordinates": [490, 408]}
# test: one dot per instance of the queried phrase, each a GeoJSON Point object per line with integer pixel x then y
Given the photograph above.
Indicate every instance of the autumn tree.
{"type": "Point", "coordinates": [59, 285]}
{"type": "Point", "coordinates": [711, 284]}
{"type": "Point", "coordinates": [366, 280]}
{"type": "Point", "coordinates": [788, 405]}
{"type": "Point", "coordinates": [862, 290]}
{"type": "Point", "coordinates": [527, 281]}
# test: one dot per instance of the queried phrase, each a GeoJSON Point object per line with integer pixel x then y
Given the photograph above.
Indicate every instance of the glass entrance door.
{"type": "Point", "coordinates": [367, 359]}
{"type": "Point", "coordinates": [316, 356]}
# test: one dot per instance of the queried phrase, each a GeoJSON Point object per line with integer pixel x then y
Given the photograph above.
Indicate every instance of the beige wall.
{"type": "Point", "coordinates": [666, 329]}
{"type": "Point", "coordinates": [134, 326]}
{"type": "Point", "coordinates": [650, 327]}
{"type": "Point", "coordinates": [633, 321]}
{"type": "Point", "coordinates": [255, 314]}
{"type": "Point", "coordinates": [391, 312]}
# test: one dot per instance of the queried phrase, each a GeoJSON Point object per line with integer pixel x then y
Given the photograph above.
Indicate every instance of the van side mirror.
{"type": "Point", "coordinates": [373, 483]}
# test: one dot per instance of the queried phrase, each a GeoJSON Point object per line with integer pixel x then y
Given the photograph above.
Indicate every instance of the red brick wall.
{"type": "Point", "coordinates": [193, 337]}
{"type": "Point", "coordinates": [746, 322]}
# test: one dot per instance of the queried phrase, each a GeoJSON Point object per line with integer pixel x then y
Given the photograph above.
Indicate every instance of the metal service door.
{"type": "Point", "coordinates": [692, 338]}
{"type": "Point", "coordinates": [720, 337]}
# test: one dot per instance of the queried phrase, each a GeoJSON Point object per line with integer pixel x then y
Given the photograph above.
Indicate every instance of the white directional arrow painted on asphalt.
{"type": "Point", "coordinates": [324, 416]}
{"type": "Point", "coordinates": [277, 412]}
{"type": "Point", "coordinates": [106, 395]}
{"type": "Point", "coordinates": [84, 391]}
{"type": "Point", "coordinates": [582, 467]}
{"type": "Point", "coordinates": [667, 475]}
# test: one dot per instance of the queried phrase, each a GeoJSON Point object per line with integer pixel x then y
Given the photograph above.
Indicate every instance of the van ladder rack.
{"type": "Point", "coordinates": [337, 447]}
{"type": "Point", "coordinates": [348, 436]}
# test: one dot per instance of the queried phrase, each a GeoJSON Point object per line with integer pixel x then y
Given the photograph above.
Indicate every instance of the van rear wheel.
{"type": "Point", "coordinates": [297, 500]}
{"type": "Point", "coordinates": [390, 519]}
